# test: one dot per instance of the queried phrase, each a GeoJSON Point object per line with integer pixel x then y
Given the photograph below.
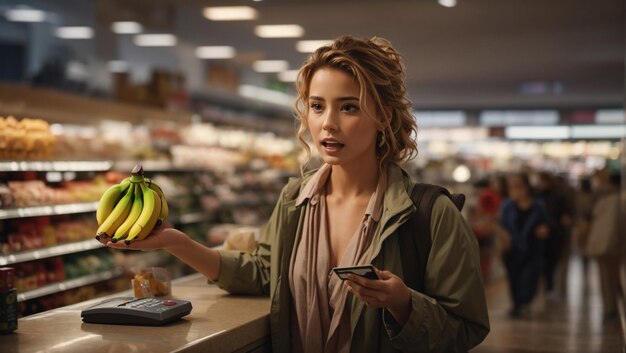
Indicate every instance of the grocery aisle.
{"type": "Point", "coordinates": [570, 324]}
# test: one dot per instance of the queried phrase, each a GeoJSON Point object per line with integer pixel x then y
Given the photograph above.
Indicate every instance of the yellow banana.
{"type": "Point", "coordinates": [148, 217]}
{"type": "Point", "coordinates": [118, 215]}
{"type": "Point", "coordinates": [109, 199]}
{"type": "Point", "coordinates": [135, 211]}
{"type": "Point", "coordinates": [165, 210]}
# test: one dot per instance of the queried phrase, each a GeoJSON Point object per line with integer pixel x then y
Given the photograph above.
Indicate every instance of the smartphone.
{"type": "Point", "coordinates": [367, 271]}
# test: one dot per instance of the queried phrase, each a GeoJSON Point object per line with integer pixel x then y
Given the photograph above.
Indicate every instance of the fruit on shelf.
{"type": "Point", "coordinates": [130, 210]}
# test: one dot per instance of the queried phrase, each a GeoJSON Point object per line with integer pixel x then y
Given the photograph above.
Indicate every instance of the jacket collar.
{"type": "Point", "coordinates": [397, 198]}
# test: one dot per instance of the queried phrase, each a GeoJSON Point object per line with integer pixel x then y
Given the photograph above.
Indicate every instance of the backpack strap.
{"type": "Point", "coordinates": [414, 235]}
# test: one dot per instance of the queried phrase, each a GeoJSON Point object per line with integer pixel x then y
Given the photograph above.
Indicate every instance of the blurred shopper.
{"type": "Point", "coordinates": [353, 108]}
{"type": "Point", "coordinates": [552, 192]}
{"type": "Point", "coordinates": [603, 243]}
{"type": "Point", "coordinates": [568, 223]}
{"type": "Point", "coordinates": [484, 221]}
{"type": "Point", "coordinates": [499, 184]}
{"type": "Point", "coordinates": [526, 222]}
{"type": "Point", "coordinates": [584, 207]}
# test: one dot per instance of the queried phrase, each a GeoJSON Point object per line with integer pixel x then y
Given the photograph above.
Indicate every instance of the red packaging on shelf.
{"type": "Point", "coordinates": [7, 278]}
{"type": "Point", "coordinates": [42, 279]}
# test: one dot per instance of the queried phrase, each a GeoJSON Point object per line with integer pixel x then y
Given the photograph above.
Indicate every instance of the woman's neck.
{"type": "Point", "coordinates": [354, 179]}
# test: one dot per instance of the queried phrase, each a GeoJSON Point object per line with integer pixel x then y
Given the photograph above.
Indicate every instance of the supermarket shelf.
{"type": "Point", "coordinates": [69, 284]}
{"type": "Point", "coordinates": [50, 210]}
{"type": "Point", "coordinates": [156, 166]}
{"type": "Point", "coordinates": [52, 251]}
{"type": "Point", "coordinates": [167, 166]}
{"type": "Point", "coordinates": [55, 166]}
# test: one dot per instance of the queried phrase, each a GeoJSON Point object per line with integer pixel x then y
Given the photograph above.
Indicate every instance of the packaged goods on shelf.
{"type": "Point", "coordinates": [72, 296]}
{"type": "Point", "coordinates": [151, 282]}
{"type": "Point", "coordinates": [236, 180]}
{"type": "Point", "coordinates": [207, 157]}
{"type": "Point", "coordinates": [37, 192]}
{"type": "Point", "coordinates": [36, 274]}
{"type": "Point", "coordinates": [25, 139]}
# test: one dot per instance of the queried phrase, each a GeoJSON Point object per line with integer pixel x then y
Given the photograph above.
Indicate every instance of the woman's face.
{"type": "Point", "coordinates": [342, 131]}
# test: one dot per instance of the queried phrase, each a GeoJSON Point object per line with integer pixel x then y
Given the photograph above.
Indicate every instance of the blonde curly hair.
{"type": "Point", "coordinates": [378, 69]}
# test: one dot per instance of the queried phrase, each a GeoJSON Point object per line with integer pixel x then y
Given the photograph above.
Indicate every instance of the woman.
{"type": "Point", "coordinates": [352, 107]}
{"type": "Point", "coordinates": [526, 222]}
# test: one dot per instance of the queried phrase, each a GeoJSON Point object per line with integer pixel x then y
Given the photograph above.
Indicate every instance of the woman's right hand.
{"type": "Point", "coordinates": [162, 237]}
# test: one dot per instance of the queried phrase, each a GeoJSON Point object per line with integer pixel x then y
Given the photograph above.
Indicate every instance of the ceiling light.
{"type": "Point", "coordinates": [288, 76]}
{"type": "Point", "coordinates": [126, 27]}
{"type": "Point", "coordinates": [309, 46]}
{"type": "Point", "coordinates": [215, 52]}
{"type": "Point", "coordinates": [230, 13]}
{"type": "Point", "coordinates": [537, 132]}
{"type": "Point", "coordinates": [270, 65]}
{"type": "Point", "coordinates": [518, 117]}
{"type": "Point", "coordinates": [25, 15]}
{"type": "Point", "coordinates": [279, 31]}
{"type": "Point", "coordinates": [266, 95]}
{"type": "Point", "coordinates": [461, 174]}
{"type": "Point", "coordinates": [598, 132]}
{"type": "Point", "coordinates": [117, 66]}
{"type": "Point", "coordinates": [610, 116]}
{"type": "Point", "coordinates": [74, 32]}
{"type": "Point", "coordinates": [447, 3]}
{"type": "Point", "coordinates": [155, 40]}
{"type": "Point", "coordinates": [440, 118]}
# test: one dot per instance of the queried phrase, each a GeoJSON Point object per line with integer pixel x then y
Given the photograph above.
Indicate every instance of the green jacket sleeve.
{"type": "Point", "coordinates": [249, 273]}
{"type": "Point", "coordinates": [453, 316]}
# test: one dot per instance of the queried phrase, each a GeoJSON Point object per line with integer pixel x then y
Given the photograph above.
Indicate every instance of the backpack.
{"type": "Point", "coordinates": [414, 236]}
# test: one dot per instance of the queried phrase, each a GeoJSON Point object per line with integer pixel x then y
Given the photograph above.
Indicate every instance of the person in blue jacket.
{"type": "Point", "coordinates": [525, 220]}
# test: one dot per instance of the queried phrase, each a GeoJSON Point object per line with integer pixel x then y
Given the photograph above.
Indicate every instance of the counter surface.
{"type": "Point", "coordinates": [219, 322]}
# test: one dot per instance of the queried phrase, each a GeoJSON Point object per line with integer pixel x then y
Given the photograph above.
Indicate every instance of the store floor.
{"type": "Point", "coordinates": [572, 323]}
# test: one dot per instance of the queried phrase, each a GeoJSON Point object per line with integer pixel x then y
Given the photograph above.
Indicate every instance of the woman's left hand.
{"type": "Point", "coordinates": [389, 292]}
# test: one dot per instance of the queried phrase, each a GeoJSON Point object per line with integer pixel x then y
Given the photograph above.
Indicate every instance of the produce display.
{"type": "Point", "coordinates": [131, 209]}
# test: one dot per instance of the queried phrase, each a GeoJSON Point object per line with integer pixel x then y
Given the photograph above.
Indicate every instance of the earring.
{"type": "Point", "coordinates": [381, 139]}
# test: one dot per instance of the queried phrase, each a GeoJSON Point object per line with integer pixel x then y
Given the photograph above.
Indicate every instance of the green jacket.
{"type": "Point", "coordinates": [450, 317]}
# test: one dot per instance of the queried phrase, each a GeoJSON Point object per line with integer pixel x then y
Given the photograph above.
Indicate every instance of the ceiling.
{"type": "Point", "coordinates": [479, 54]}
{"type": "Point", "coordinates": [476, 54]}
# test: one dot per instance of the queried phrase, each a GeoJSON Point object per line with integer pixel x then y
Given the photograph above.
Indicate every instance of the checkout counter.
{"type": "Point", "coordinates": [219, 322]}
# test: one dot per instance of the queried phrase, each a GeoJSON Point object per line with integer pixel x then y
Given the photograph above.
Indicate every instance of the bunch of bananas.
{"type": "Point", "coordinates": [131, 209]}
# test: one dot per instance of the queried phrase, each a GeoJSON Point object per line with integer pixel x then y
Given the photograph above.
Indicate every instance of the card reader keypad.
{"type": "Point", "coordinates": [147, 303]}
